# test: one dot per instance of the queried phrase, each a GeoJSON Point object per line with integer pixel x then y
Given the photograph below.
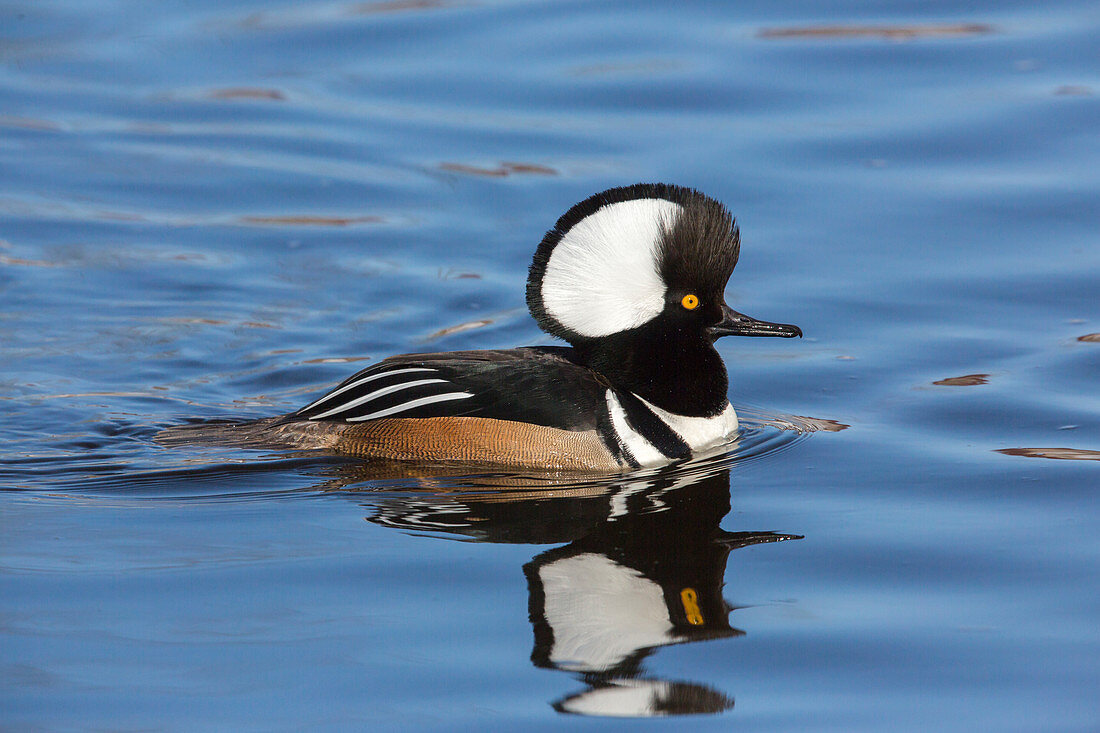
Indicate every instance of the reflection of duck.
{"type": "Point", "coordinates": [643, 569]}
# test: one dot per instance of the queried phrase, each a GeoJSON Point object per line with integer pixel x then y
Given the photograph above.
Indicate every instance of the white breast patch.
{"type": "Point", "coordinates": [700, 433]}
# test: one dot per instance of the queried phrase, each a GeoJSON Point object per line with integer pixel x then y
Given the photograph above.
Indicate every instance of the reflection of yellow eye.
{"type": "Point", "coordinates": [690, 302]}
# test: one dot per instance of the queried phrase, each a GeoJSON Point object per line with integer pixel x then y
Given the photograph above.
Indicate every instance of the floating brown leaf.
{"type": "Point", "coordinates": [467, 326]}
{"type": "Point", "coordinates": [820, 423]}
{"type": "Point", "coordinates": [1073, 90]}
{"type": "Point", "coordinates": [118, 216]}
{"type": "Point", "coordinates": [803, 424]}
{"type": "Point", "coordinates": [968, 380]}
{"type": "Point", "coordinates": [21, 262]}
{"type": "Point", "coordinates": [473, 170]}
{"type": "Point", "coordinates": [336, 360]}
{"type": "Point", "coordinates": [192, 321]}
{"type": "Point", "coordinates": [531, 168]}
{"type": "Point", "coordinates": [398, 6]}
{"type": "Point", "coordinates": [452, 274]}
{"type": "Point", "coordinates": [504, 169]}
{"type": "Point", "coordinates": [1090, 338]}
{"type": "Point", "coordinates": [889, 32]}
{"type": "Point", "coordinates": [247, 93]}
{"type": "Point", "coordinates": [648, 66]}
{"type": "Point", "coordinates": [1062, 454]}
{"type": "Point", "coordinates": [312, 221]}
{"type": "Point", "coordinates": [29, 123]}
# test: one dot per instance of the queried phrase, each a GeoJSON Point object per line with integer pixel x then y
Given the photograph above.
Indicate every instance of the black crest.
{"type": "Point", "coordinates": [701, 250]}
{"type": "Point", "coordinates": [697, 253]}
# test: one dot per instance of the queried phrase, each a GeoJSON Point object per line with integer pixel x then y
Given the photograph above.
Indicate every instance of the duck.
{"type": "Point", "coordinates": [632, 279]}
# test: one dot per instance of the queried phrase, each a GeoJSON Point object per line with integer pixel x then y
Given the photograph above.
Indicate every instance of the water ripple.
{"type": "Point", "coordinates": [123, 461]}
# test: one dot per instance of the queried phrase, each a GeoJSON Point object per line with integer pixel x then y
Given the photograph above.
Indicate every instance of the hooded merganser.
{"type": "Point", "coordinates": [633, 279]}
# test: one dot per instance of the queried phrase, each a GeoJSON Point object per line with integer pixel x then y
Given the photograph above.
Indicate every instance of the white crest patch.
{"type": "Point", "coordinates": [603, 276]}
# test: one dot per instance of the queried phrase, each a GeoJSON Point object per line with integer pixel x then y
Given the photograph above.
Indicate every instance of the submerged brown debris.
{"type": "Point", "coordinates": [312, 221]}
{"type": "Point", "coordinates": [802, 424]}
{"type": "Point", "coordinates": [888, 32]}
{"type": "Point", "coordinates": [1091, 338]}
{"type": "Point", "coordinates": [336, 360]}
{"type": "Point", "coordinates": [1073, 90]}
{"type": "Point", "coordinates": [247, 93]}
{"type": "Point", "coordinates": [1063, 454]}
{"type": "Point", "coordinates": [814, 424]}
{"type": "Point", "coordinates": [504, 169]}
{"type": "Point", "coordinates": [29, 123]}
{"type": "Point", "coordinates": [453, 274]}
{"type": "Point", "coordinates": [398, 6]}
{"type": "Point", "coordinates": [967, 380]}
{"type": "Point", "coordinates": [467, 326]}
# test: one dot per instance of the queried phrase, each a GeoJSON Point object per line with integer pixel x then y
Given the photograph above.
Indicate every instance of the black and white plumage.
{"type": "Point", "coordinates": [542, 383]}
{"type": "Point", "coordinates": [633, 279]}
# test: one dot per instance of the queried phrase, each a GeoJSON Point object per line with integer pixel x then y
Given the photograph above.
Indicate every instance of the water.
{"type": "Point", "coordinates": [216, 210]}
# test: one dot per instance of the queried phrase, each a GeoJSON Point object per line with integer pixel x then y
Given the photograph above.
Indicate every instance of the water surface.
{"type": "Point", "coordinates": [218, 210]}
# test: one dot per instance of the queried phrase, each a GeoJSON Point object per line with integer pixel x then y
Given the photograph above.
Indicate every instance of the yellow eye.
{"type": "Point", "coordinates": [690, 302]}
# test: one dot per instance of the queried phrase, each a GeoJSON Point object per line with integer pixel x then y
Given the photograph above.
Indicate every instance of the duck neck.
{"type": "Point", "coordinates": [678, 372]}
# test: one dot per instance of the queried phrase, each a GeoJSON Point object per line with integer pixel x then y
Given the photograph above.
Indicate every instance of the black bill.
{"type": "Point", "coordinates": [738, 324]}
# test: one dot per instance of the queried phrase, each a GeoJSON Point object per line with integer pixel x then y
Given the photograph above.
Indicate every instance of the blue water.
{"type": "Point", "coordinates": [219, 209]}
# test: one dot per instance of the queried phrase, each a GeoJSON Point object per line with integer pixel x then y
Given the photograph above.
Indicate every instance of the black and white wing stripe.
{"type": "Point", "coordinates": [539, 385]}
{"type": "Point", "coordinates": [385, 390]}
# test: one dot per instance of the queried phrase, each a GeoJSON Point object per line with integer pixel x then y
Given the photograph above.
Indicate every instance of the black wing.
{"type": "Point", "coordinates": [539, 385]}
